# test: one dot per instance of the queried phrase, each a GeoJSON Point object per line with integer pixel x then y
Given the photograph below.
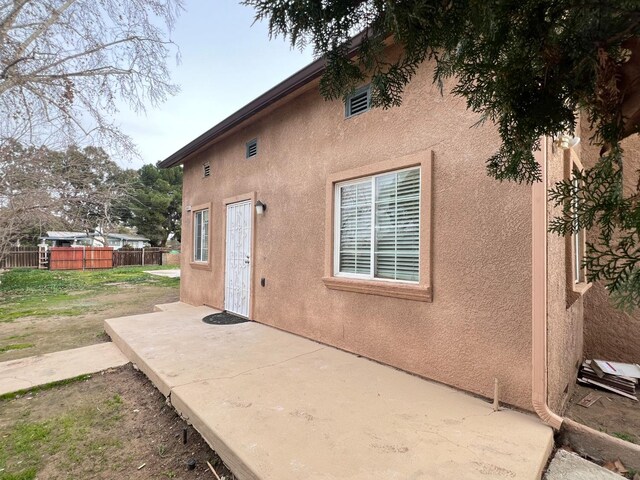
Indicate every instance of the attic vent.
{"type": "Point", "coordinates": [358, 102]}
{"type": "Point", "coordinates": [252, 148]}
{"type": "Point", "coordinates": [206, 170]}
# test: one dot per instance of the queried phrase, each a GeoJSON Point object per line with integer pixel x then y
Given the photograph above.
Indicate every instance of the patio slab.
{"type": "Point", "coordinates": [569, 466]}
{"type": "Point", "coordinates": [38, 370]}
{"type": "Point", "coordinates": [278, 406]}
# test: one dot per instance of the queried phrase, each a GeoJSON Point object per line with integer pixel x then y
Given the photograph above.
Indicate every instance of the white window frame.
{"type": "Point", "coordinates": [577, 237]}
{"type": "Point", "coordinates": [204, 230]}
{"type": "Point", "coordinates": [337, 221]}
{"type": "Point", "coordinates": [577, 283]}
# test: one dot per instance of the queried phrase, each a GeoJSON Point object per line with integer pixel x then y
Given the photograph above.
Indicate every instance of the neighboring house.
{"type": "Point", "coordinates": [80, 239]}
{"type": "Point", "coordinates": [67, 239]}
{"type": "Point", "coordinates": [119, 240]}
{"type": "Point", "coordinates": [379, 232]}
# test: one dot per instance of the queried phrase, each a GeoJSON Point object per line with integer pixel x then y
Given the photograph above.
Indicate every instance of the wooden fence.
{"type": "Point", "coordinates": [80, 258]}
{"type": "Point", "coordinates": [21, 257]}
{"type": "Point", "coordinates": [137, 256]}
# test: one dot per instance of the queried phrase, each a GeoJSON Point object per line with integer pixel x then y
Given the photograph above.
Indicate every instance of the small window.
{"type": "Point", "coordinates": [358, 102]}
{"type": "Point", "coordinates": [578, 236]}
{"type": "Point", "coordinates": [252, 148]}
{"type": "Point", "coordinates": [201, 236]}
{"type": "Point", "coordinates": [206, 170]}
{"type": "Point", "coordinates": [577, 282]}
{"type": "Point", "coordinates": [378, 227]}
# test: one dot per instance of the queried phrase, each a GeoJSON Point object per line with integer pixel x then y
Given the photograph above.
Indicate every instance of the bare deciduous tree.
{"type": "Point", "coordinates": [65, 68]}
{"type": "Point", "coordinates": [66, 65]}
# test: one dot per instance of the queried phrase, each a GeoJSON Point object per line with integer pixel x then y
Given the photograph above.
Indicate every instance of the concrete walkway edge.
{"type": "Point", "coordinates": [30, 372]}
{"type": "Point", "coordinates": [569, 466]}
{"type": "Point", "coordinates": [134, 358]}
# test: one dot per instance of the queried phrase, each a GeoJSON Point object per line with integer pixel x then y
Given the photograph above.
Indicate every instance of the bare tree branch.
{"type": "Point", "coordinates": [43, 27]}
{"type": "Point", "coordinates": [66, 66]}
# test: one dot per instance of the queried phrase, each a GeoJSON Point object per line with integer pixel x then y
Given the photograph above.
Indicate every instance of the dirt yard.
{"type": "Point", "coordinates": [113, 425]}
{"type": "Point", "coordinates": [54, 333]}
{"type": "Point", "coordinates": [43, 311]}
{"type": "Point", "coordinates": [616, 415]}
{"type": "Point", "coordinates": [104, 426]}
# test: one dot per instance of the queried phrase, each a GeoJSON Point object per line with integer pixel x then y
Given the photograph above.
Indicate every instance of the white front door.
{"type": "Point", "coordinates": [237, 282]}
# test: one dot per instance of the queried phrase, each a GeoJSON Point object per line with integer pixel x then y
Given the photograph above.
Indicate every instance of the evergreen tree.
{"type": "Point", "coordinates": [155, 205]}
{"type": "Point", "coordinates": [529, 66]}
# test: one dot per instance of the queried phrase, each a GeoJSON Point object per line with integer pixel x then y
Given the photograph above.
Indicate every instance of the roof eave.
{"type": "Point", "coordinates": [281, 90]}
{"type": "Point", "coordinates": [288, 86]}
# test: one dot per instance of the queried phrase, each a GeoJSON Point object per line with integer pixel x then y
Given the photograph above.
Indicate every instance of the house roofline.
{"type": "Point", "coordinates": [121, 236]}
{"type": "Point", "coordinates": [296, 81]}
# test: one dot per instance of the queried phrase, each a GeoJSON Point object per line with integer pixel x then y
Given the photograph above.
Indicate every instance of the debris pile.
{"type": "Point", "coordinates": [619, 468]}
{"type": "Point", "coordinates": [620, 378]}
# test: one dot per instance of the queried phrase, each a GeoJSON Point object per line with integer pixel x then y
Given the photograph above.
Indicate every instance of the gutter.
{"type": "Point", "coordinates": [539, 314]}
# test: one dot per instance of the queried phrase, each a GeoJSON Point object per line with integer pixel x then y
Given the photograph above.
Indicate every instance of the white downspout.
{"type": "Point", "coordinates": [539, 293]}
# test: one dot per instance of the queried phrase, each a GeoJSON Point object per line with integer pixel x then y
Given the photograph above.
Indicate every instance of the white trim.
{"type": "Point", "coordinates": [577, 238]}
{"type": "Point", "coordinates": [204, 232]}
{"type": "Point", "coordinates": [337, 221]}
{"type": "Point", "coordinates": [232, 275]}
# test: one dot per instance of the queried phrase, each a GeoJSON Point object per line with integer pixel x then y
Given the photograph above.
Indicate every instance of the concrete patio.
{"type": "Point", "coordinates": [277, 406]}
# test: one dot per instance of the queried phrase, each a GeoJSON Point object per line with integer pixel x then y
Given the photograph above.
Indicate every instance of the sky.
{"type": "Point", "coordinates": [226, 61]}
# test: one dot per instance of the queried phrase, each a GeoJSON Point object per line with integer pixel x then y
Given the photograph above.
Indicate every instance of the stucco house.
{"type": "Point", "coordinates": [379, 232]}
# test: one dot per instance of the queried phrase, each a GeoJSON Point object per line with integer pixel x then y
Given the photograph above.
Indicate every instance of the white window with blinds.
{"type": "Point", "coordinates": [377, 231]}
{"type": "Point", "coordinates": [201, 236]}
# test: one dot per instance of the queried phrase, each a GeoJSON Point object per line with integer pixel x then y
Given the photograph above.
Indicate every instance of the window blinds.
{"type": "Point", "coordinates": [397, 232]}
{"type": "Point", "coordinates": [379, 226]}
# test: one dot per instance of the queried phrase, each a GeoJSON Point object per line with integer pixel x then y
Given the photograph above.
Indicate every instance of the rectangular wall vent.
{"type": "Point", "coordinates": [358, 102]}
{"type": "Point", "coordinates": [206, 170]}
{"type": "Point", "coordinates": [252, 148]}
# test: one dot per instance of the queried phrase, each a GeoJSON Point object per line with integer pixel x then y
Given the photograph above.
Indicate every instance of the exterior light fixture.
{"type": "Point", "coordinates": [260, 207]}
{"type": "Point", "coordinates": [567, 141]}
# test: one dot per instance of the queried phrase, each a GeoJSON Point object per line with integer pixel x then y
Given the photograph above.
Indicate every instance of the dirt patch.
{"type": "Point", "coordinates": [55, 333]}
{"type": "Point", "coordinates": [102, 428]}
{"type": "Point", "coordinates": [616, 415]}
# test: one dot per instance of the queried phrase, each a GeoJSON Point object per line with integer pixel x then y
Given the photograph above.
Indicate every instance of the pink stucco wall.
{"type": "Point", "coordinates": [478, 326]}
{"type": "Point", "coordinates": [564, 307]}
{"type": "Point", "coordinates": [611, 333]}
